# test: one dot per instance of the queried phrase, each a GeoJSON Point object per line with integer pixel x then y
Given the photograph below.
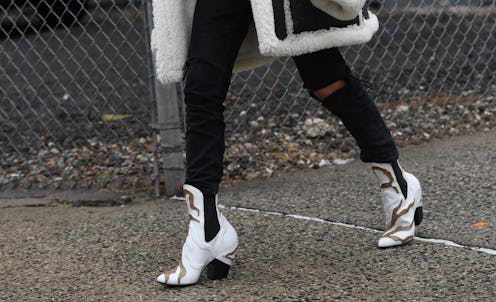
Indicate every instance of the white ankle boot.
{"type": "Point", "coordinates": [402, 213]}
{"type": "Point", "coordinates": [217, 255]}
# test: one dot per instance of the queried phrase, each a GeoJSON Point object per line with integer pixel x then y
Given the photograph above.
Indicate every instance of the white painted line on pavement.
{"type": "Point", "coordinates": [352, 226]}
{"type": "Point", "coordinates": [454, 244]}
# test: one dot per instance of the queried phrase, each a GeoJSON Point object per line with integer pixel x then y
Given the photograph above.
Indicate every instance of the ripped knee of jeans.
{"type": "Point", "coordinates": [323, 93]}
{"type": "Point", "coordinates": [352, 87]}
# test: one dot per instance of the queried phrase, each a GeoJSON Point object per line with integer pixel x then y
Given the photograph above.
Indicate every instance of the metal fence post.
{"type": "Point", "coordinates": [170, 137]}
{"type": "Point", "coordinates": [168, 124]}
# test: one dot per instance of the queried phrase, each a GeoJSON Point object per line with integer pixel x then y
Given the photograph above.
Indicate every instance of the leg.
{"type": "Point", "coordinates": [324, 70]}
{"type": "Point", "coordinates": [219, 27]}
{"type": "Point", "coordinates": [328, 78]}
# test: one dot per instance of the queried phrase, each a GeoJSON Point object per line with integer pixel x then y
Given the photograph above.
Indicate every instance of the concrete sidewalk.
{"type": "Point", "coordinates": [310, 236]}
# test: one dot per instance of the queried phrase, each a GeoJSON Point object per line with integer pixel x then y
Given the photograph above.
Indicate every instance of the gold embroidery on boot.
{"type": "Point", "coordinates": [168, 273]}
{"type": "Point", "coordinates": [395, 238]}
{"type": "Point", "coordinates": [231, 254]}
{"type": "Point", "coordinates": [396, 215]}
{"type": "Point", "coordinates": [189, 196]}
{"type": "Point", "coordinates": [193, 218]}
{"type": "Point", "coordinates": [389, 176]}
{"type": "Point", "coordinates": [182, 272]}
{"type": "Point", "coordinates": [398, 229]}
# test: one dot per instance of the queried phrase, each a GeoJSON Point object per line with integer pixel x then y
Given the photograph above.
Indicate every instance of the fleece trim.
{"type": "Point", "coordinates": [173, 20]}
{"type": "Point", "coordinates": [307, 42]}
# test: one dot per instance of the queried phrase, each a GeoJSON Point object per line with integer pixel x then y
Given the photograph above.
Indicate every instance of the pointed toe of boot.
{"type": "Point", "coordinates": [161, 279]}
{"type": "Point", "coordinates": [385, 242]}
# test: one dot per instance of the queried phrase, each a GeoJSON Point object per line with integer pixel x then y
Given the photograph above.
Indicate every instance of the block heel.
{"type": "Point", "coordinates": [419, 215]}
{"type": "Point", "coordinates": [217, 270]}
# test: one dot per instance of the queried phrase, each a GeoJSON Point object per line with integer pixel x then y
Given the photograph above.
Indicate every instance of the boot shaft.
{"type": "Point", "coordinates": [203, 212]}
{"type": "Point", "coordinates": [391, 177]}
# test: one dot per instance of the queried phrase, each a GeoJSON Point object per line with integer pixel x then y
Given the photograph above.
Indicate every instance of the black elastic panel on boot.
{"type": "Point", "coordinates": [399, 177]}
{"type": "Point", "coordinates": [211, 226]}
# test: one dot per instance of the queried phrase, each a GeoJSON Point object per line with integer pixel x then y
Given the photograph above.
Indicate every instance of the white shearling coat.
{"type": "Point", "coordinates": [173, 20]}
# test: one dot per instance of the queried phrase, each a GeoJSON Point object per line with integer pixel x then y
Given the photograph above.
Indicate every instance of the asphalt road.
{"type": "Point", "coordinates": [51, 252]}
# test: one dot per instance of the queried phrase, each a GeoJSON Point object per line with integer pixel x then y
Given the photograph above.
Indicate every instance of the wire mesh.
{"type": "Point", "coordinates": [75, 97]}
{"type": "Point", "coordinates": [431, 72]}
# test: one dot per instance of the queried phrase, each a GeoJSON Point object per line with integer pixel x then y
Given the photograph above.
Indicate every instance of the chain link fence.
{"type": "Point", "coordinates": [76, 100]}
{"type": "Point", "coordinates": [431, 69]}
{"type": "Point", "coordinates": [74, 96]}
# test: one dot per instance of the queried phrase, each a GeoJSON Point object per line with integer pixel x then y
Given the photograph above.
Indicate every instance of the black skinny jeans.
{"type": "Point", "coordinates": [219, 28]}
